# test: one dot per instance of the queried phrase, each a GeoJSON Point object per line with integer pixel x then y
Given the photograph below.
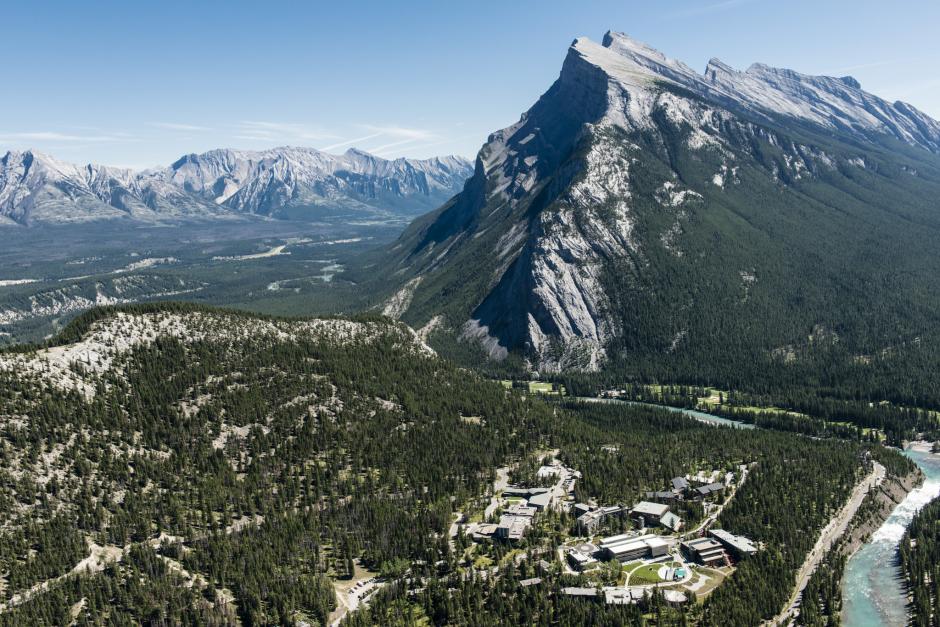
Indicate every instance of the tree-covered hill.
{"type": "Point", "coordinates": [272, 449]}
{"type": "Point", "coordinates": [172, 464]}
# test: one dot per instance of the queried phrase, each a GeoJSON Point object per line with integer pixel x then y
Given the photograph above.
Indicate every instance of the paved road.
{"type": "Point", "coordinates": [350, 600]}
{"type": "Point", "coordinates": [454, 528]}
{"type": "Point", "coordinates": [830, 533]}
{"type": "Point", "coordinates": [502, 480]}
{"type": "Point", "coordinates": [716, 510]}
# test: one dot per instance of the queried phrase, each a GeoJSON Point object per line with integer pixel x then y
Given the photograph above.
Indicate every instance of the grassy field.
{"type": "Point", "coordinates": [538, 387]}
{"type": "Point", "coordinates": [710, 579]}
{"type": "Point", "coordinates": [714, 397]}
{"type": "Point", "coordinates": [643, 574]}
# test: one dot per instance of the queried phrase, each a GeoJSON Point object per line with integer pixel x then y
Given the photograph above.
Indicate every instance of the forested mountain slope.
{"type": "Point", "coordinates": [151, 426]}
{"type": "Point", "coordinates": [710, 227]}
{"type": "Point", "coordinates": [171, 462]}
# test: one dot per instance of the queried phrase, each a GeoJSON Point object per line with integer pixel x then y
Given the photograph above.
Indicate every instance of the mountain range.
{"type": "Point", "coordinates": [643, 213]}
{"type": "Point", "coordinates": [281, 182]}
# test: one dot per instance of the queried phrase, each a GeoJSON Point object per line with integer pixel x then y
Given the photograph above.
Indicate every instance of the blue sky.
{"type": "Point", "coordinates": [141, 83]}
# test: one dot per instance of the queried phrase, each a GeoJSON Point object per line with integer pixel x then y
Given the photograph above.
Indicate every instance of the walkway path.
{"type": "Point", "coordinates": [827, 537]}
{"type": "Point", "coordinates": [502, 480]}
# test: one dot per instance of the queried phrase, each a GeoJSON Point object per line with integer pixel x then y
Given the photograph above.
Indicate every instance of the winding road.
{"type": "Point", "coordinates": [502, 480]}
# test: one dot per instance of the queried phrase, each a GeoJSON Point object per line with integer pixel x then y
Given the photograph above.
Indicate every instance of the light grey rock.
{"type": "Point", "coordinates": [223, 184]}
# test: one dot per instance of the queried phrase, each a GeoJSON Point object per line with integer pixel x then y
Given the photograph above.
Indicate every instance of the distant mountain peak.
{"type": "Point", "coordinates": [38, 188]}
{"type": "Point", "coordinates": [851, 81]}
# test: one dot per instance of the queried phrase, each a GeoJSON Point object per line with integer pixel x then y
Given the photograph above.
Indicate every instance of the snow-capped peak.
{"type": "Point", "coordinates": [34, 186]}
{"type": "Point", "coordinates": [833, 102]}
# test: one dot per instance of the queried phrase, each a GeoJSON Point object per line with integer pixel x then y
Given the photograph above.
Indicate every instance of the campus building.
{"type": "Point", "coordinates": [512, 527]}
{"type": "Point", "coordinates": [584, 593]}
{"type": "Point", "coordinates": [709, 490]}
{"type": "Point", "coordinates": [541, 501]}
{"type": "Point", "coordinates": [739, 546]}
{"type": "Point", "coordinates": [650, 513]}
{"type": "Point", "coordinates": [680, 484]}
{"type": "Point", "coordinates": [589, 521]}
{"type": "Point", "coordinates": [523, 492]}
{"type": "Point", "coordinates": [706, 551]}
{"type": "Point", "coordinates": [626, 548]}
{"type": "Point", "coordinates": [664, 495]}
{"type": "Point", "coordinates": [521, 510]}
{"type": "Point", "coordinates": [671, 521]}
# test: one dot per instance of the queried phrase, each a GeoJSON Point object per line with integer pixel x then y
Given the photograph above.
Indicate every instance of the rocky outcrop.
{"type": "Point", "coordinates": [878, 506]}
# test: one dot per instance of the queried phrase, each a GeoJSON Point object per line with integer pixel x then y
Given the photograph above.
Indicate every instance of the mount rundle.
{"type": "Point", "coordinates": [642, 209]}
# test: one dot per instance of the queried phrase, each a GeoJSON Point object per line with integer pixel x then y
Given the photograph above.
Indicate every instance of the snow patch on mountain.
{"type": "Point", "coordinates": [219, 184]}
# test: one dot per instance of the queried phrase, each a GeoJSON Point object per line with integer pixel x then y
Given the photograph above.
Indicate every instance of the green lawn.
{"type": "Point", "coordinates": [537, 387]}
{"type": "Point", "coordinates": [645, 574]}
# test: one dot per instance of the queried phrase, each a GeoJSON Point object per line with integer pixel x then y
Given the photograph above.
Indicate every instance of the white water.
{"type": "Point", "coordinates": [872, 591]}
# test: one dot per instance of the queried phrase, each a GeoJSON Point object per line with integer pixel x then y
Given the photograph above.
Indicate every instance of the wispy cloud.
{"type": "Point", "coordinates": [281, 131]}
{"type": "Point", "coordinates": [54, 136]}
{"type": "Point", "coordinates": [414, 150]}
{"type": "Point", "coordinates": [384, 147]}
{"type": "Point", "coordinates": [861, 66]}
{"type": "Point", "coordinates": [351, 141]}
{"type": "Point", "coordinates": [715, 7]}
{"type": "Point", "coordinates": [400, 131]}
{"type": "Point", "coordinates": [395, 136]}
{"type": "Point", "coordinates": [912, 88]}
{"type": "Point", "coordinates": [173, 126]}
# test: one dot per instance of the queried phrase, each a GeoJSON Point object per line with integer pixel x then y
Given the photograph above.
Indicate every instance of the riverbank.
{"type": "Point", "coordinates": [876, 509]}
{"type": "Point", "coordinates": [920, 446]}
{"type": "Point", "coordinates": [873, 591]}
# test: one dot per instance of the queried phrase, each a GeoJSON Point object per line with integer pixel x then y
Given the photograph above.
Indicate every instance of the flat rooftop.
{"type": "Point", "coordinates": [739, 543]}
{"type": "Point", "coordinates": [703, 544]}
{"type": "Point", "coordinates": [624, 537]}
{"type": "Point", "coordinates": [645, 508]}
{"type": "Point", "coordinates": [541, 500]}
{"type": "Point", "coordinates": [580, 592]}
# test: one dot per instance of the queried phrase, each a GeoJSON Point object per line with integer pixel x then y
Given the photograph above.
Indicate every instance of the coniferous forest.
{"type": "Point", "coordinates": [920, 564]}
{"type": "Point", "coordinates": [660, 349]}
{"type": "Point", "coordinates": [196, 466]}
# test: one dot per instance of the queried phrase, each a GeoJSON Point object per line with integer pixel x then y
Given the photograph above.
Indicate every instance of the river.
{"type": "Point", "coordinates": [692, 413]}
{"type": "Point", "coordinates": [872, 590]}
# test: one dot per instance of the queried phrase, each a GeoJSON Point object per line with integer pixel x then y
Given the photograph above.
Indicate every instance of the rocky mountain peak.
{"type": "Point", "coordinates": [761, 90]}
{"type": "Point", "coordinates": [37, 187]}
{"type": "Point", "coordinates": [609, 178]}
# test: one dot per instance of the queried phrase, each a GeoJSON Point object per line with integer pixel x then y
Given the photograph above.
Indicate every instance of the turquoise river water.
{"type": "Point", "coordinates": [692, 413]}
{"type": "Point", "coordinates": [872, 592]}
